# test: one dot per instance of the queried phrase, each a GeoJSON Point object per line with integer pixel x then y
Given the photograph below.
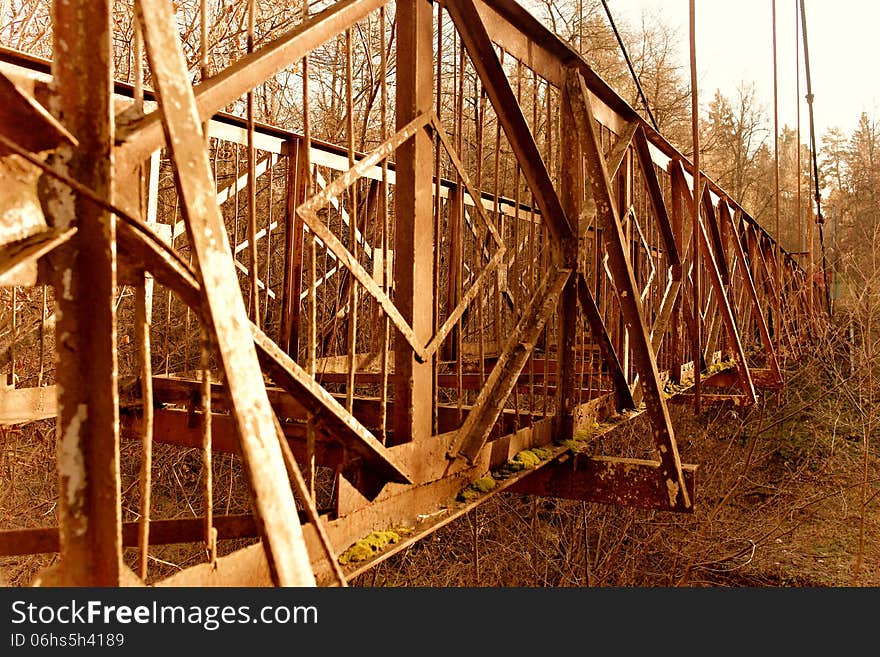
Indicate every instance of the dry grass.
{"type": "Point", "coordinates": [779, 503]}
{"type": "Point", "coordinates": [779, 493]}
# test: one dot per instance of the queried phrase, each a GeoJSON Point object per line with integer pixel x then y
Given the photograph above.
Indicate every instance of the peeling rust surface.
{"type": "Point", "coordinates": [222, 302]}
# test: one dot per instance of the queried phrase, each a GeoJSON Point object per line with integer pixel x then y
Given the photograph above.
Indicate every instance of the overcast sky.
{"type": "Point", "coordinates": [734, 43]}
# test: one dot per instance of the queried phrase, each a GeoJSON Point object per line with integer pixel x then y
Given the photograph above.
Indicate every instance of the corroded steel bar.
{"type": "Point", "coordinates": [179, 530]}
{"type": "Point", "coordinates": [32, 248]}
{"type": "Point", "coordinates": [678, 273]}
{"type": "Point", "coordinates": [476, 40]}
{"type": "Point", "coordinates": [385, 230]}
{"type": "Point", "coordinates": [328, 415]}
{"type": "Point", "coordinates": [253, 269]}
{"type": "Point", "coordinates": [726, 311]}
{"type": "Point", "coordinates": [210, 537]}
{"type": "Point", "coordinates": [746, 276]}
{"type": "Point", "coordinates": [414, 237]}
{"type": "Point", "coordinates": [571, 196]}
{"type": "Point", "coordinates": [494, 394]}
{"type": "Point", "coordinates": [309, 213]}
{"type": "Point", "coordinates": [714, 232]}
{"type": "Point", "coordinates": [456, 310]}
{"type": "Point", "coordinates": [622, 391]}
{"type": "Point", "coordinates": [222, 303]}
{"type": "Point", "coordinates": [655, 195]}
{"type": "Point", "coordinates": [352, 224]}
{"type": "Point", "coordinates": [307, 496]}
{"type": "Point", "coordinates": [293, 250]}
{"type": "Point", "coordinates": [630, 305]}
{"type": "Point", "coordinates": [143, 317]}
{"type": "Point", "coordinates": [84, 275]}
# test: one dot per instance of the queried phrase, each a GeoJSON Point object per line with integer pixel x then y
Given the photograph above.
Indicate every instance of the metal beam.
{"type": "Point", "coordinates": [476, 40]}
{"type": "Point", "coordinates": [222, 304]}
{"type": "Point", "coordinates": [144, 136]}
{"type": "Point", "coordinates": [84, 276]}
{"type": "Point", "coordinates": [606, 480]}
{"type": "Point", "coordinates": [479, 422]}
{"type": "Point", "coordinates": [414, 238]}
{"type": "Point", "coordinates": [655, 195]}
{"type": "Point", "coordinates": [753, 294]}
{"type": "Point", "coordinates": [726, 312]}
{"type": "Point", "coordinates": [328, 415]}
{"type": "Point", "coordinates": [628, 295]}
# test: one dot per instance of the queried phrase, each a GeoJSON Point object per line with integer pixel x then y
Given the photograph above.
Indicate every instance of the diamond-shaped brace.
{"type": "Point", "coordinates": [496, 259]}
{"type": "Point", "coordinates": [644, 244]}
{"type": "Point", "coordinates": [308, 212]}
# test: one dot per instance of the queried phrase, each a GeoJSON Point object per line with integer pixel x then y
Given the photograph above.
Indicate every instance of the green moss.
{"type": "Point", "coordinates": [529, 458]}
{"type": "Point", "coordinates": [720, 366]}
{"type": "Point", "coordinates": [484, 484]}
{"type": "Point", "coordinates": [573, 444]}
{"type": "Point", "coordinates": [581, 435]}
{"type": "Point", "coordinates": [476, 488]}
{"type": "Point", "coordinates": [370, 545]}
{"type": "Point", "coordinates": [542, 453]}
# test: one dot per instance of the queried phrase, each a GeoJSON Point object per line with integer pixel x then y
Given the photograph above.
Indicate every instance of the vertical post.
{"type": "Point", "coordinates": [777, 246]}
{"type": "Point", "coordinates": [571, 176]}
{"type": "Point", "coordinates": [84, 273]}
{"type": "Point", "coordinates": [678, 273]}
{"type": "Point", "coordinates": [143, 320]}
{"type": "Point", "coordinates": [253, 265]}
{"type": "Point", "coordinates": [293, 250]}
{"type": "Point", "coordinates": [698, 297]}
{"type": "Point", "coordinates": [414, 235]}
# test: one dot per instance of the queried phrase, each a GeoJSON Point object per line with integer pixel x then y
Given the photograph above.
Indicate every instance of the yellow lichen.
{"type": "Point", "coordinates": [528, 458]}
{"type": "Point", "coordinates": [476, 488]}
{"type": "Point", "coordinates": [370, 545]}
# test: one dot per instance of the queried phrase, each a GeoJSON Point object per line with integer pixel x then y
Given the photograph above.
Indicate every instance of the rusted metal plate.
{"type": "Point", "coordinates": [607, 480]}
{"type": "Point", "coordinates": [20, 405]}
{"type": "Point", "coordinates": [26, 122]}
{"type": "Point", "coordinates": [31, 248]}
{"type": "Point", "coordinates": [222, 304]}
{"type": "Point", "coordinates": [21, 214]}
{"type": "Point", "coordinates": [530, 50]}
{"type": "Point", "coordinates": [762, 378]}
{"type": "Point", "coordinates": [246, 567]}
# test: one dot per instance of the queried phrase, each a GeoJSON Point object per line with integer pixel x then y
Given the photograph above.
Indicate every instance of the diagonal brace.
{"type": "Point", "coordinates": [633, 313]}
{"type": "Point", "coordinates": [493, 395]}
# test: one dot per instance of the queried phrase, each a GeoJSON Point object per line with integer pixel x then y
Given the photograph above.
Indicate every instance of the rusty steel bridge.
{"type": "Point", "coordinates": [510, 264]}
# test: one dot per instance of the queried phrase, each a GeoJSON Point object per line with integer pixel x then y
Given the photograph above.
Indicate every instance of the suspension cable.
{"type": "Point", "coordinates": [629, 64]}
{"type": "Point", "coordinates": [820, 220]}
